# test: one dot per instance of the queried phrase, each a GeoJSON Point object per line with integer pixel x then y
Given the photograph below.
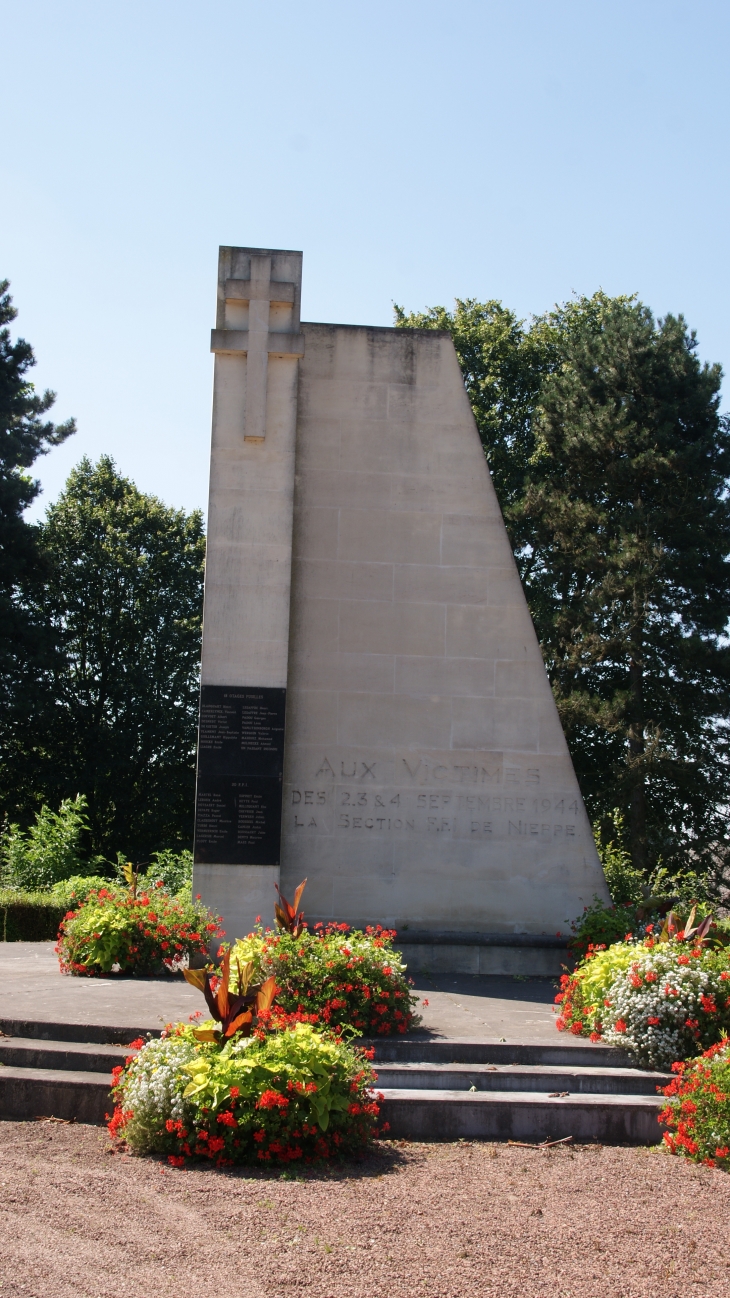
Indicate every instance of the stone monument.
{"type": "Point", "coordinates": [375, 714]}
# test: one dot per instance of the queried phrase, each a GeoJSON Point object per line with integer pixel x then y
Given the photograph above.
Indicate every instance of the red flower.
{"type": "Point", "coordinates": [273, 1100]}
{"type": "Point", "coordinates": [620, 1025]}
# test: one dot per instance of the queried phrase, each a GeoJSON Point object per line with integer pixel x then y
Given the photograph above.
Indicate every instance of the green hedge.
{"type": "Point", "coordinates": [30, 916]}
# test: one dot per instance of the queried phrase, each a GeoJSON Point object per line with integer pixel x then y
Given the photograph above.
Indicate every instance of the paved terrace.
{"type": "Point", "coordinates": [461, 1007]}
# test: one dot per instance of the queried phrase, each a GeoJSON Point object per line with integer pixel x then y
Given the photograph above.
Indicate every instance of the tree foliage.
{"type": "Point", "coordinates": [503, 364]}
{"type": "Point", "coordinates": [611, 462]}
{"type": "Point", "coordinates": [24, 435]}
{"type": "Point", "coordinates": [117, 718]}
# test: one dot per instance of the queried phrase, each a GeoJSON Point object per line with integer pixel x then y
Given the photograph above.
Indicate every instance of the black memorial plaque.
{"type": "Point", "coordinates": [240, 765]}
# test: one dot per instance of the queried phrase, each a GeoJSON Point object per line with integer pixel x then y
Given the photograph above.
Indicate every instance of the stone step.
{"type": "Point", "coordinates": [76, 1095]}
{"type": "Point", "coordinates": [422, 1050]}
{"type": "Point", "coordinates": [520, 1115]}
{"type": "Point", "coordinates": [387, 1050]}
{"type": "Point", "coordinates": [95, 1033]}
{"type": "Point", "coordinates": [520, 1077]}
{"type": "Point", "coordinates": [22, 1052]}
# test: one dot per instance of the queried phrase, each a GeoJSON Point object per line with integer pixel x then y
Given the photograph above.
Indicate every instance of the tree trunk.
{"type": "Point", "coordinates": [637, 814]}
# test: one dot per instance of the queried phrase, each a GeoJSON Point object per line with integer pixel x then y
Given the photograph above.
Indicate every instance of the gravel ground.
{"type": "Point", "coordinates": [413, 1221]}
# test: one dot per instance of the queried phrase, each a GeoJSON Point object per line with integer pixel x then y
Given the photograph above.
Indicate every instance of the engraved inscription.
{"type": "Point", "coordinates": [475, 797]}
{"type": "Point", "coordinates": [240, 762]}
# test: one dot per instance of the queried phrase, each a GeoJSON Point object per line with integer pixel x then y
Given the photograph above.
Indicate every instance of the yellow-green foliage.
{"type": "Point", "coordinates": [595, 977]}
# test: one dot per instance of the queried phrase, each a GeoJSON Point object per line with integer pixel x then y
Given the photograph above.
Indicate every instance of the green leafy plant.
{"type": "Point", "coordinates": [174, 870]}
{"type": "Point", "coordinates": [698, 1107]}
{"type": "Point", "coordinates": [273, 1097]}
{"type": "Point", "coordinates": [50, 850]}
{"type": "Point", "coordinates": [146, 932]}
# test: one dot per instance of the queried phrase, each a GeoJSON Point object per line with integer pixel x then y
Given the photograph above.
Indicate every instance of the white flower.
{"type": "Point", "coordinates": [178, 962]}
{"type": "Point", "coordinates": [657, 1000]}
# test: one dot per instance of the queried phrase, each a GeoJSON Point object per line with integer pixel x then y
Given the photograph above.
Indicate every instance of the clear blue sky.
{"type": "Point", "coordinates": [415, 151]}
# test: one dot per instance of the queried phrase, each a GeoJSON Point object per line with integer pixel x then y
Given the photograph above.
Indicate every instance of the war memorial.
{"type": "Point", "coordinates": [375, 714]}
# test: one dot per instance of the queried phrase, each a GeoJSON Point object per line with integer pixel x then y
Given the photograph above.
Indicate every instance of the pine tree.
{"type": "Point", "coordinates": [628, 575]}
{"type": "Point", "coordinates": [611, 462]}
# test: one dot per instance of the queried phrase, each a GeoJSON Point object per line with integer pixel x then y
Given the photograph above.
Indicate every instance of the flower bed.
{"type": "Point", "coordinates": [698, 1108]}
{"type": "Point", "coordinates": [117, 932]}
{"type": "Point", "coordinates": [662, 998]}
{"type": "Point", "coordinates": [297, 1095]}
{"type": "Point", "coordinates": [335, 976]}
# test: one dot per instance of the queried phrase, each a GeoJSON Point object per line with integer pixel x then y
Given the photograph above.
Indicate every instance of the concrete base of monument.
{"type": "Point", "coordinates": [240, 893]}
{"type": "Point", "coordinates": [484, 954]}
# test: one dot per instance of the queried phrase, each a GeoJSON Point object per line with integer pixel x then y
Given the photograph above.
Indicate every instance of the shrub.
{"type": "Point", "coordinates": [338, 976]}
{"type": "Point", "coordinates": [660, 997]}
{"type": "Point", "coordinates": [29, 916]}
{"type": "Point", "coordinates": [174, 870]}
{"type": "Point", "coordinates": [698, 1108]}
{"type": "Point", "coordinates": [601, 925]}
{"type": "Point", "coordinates": [72, 893]}
{"type": "Point", "coordinates": [625, 882]}
{"type": "Point", "coordinates": [115, 932]}
{"type": "Point", "coordinates": [50, 850]}
{"type": "Point", "coordinates": [277, 1097]}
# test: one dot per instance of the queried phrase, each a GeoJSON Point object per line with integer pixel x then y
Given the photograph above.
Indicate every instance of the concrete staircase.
{"type": "Point", "coordinates": [59, 1070]}
{"type": "Point", "coordinates": [433, 1089]}
{"type": "Point", "coordinates": [491, 1090]}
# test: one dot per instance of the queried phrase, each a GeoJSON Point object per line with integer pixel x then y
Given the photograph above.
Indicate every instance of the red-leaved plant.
{"type": "Point", "coordinates": [286, 916]}
{"type": "Point", "coordinates": [237, 1012]}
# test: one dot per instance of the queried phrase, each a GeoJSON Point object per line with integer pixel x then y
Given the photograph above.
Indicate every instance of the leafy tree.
{"type": "Point", "coordinates": [610, 461]}
{"type": "Point", "coordinates": [24, 435]}
{"type": "Point", "coordinates": [123, 596]}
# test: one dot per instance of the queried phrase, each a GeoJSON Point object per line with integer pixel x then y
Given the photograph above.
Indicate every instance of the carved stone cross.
{"type": "Point", "coordinates": [259, 341]}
